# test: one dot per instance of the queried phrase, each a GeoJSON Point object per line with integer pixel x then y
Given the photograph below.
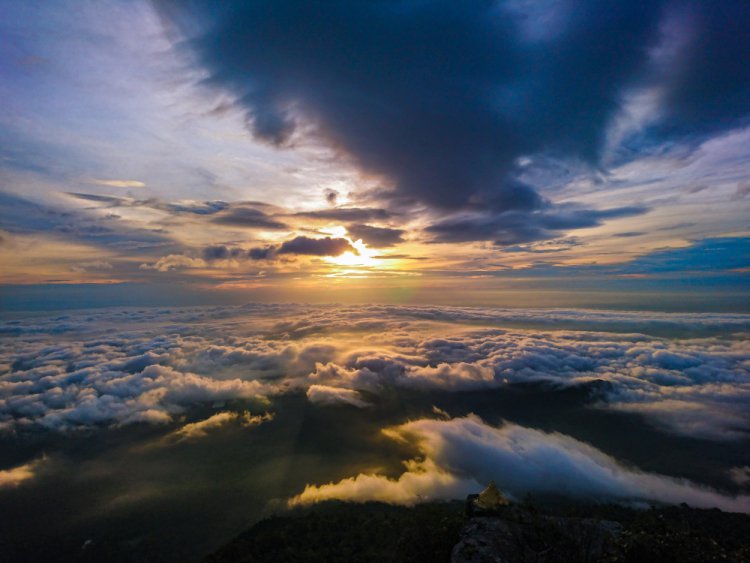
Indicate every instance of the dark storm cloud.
{"type": "Point", "coordinates": [444, 97]}
{"type": "Point", "coordinates": [379, 237]}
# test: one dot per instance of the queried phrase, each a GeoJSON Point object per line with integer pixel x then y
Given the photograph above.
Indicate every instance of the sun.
{"type": "Point", "coordinates": [364, 257]}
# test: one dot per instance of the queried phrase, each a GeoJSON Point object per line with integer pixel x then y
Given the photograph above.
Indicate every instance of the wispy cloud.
{"type": "Point", "coordinates": [202, 428]}
{"type": "Point", "coordinates": [118, 183]}
{"type": "Point", "coordinates": [16, 476]}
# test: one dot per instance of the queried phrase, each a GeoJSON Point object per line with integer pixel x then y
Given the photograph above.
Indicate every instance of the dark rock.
{"type": "Point", "coordinates": [516, 534]}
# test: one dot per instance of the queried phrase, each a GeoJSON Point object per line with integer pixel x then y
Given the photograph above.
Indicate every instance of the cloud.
{"type": "Point", "coordinates": [221, 252]}
{"type": "Point", "coordinates": [377, 237]}
{"type": "Point", "coordinates": [105, 390]}
{"type": "Point", "coordinates": [699, 389]}
{"type": "Point", "coordinates": [202, 428]}
{"type": "Point", "coordinates": [18, 475]}
{"type": "Point", "coordinates": [545, 247]}
{"type": "Point", "coordinates": [440, 412]}
{"type": "Point", "coordinates": [192, 207]}
{"type": "Point", "coordinates": [247, 217]}
{"type": "Point", "coordinates": [346, 214]}
{"type": "Point", "coordinates": [300, 246]}
{"type": "Point", "coordinates": [174, 262]}
{"type": "Point", "coordinates": [686, 374]}
{"type": "Point", "coordinates": [242, 214]}
{"type": "Point", "coordinates": [740, 475]}
{"type": "Point", "coordinates": [389, 84]}
{"type": "Point", "coordinates": [325, 395]}
{"type": "Point", "coordinates": [109, 200]}
{"type": "Point", "coordinates": [179, 207]}
{"type": "Point", "coordinates": [331, 196]}
{"type": "Point", "coordinates": [119, 183]}
{"type": "Point", "coordinates": [513, 228]}
{"type": "Point", "coordinates": [458, 455]}
{"type": "Point", "coordinates": [328, 246]}
{"type": "Point", "coordinates": [93, 266]}
{"type": "Point", "coordinates": [422, 481]}
{"type": "Point", "coordinates": [22, 216]}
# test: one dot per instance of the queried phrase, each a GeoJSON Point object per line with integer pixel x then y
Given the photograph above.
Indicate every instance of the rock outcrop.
{"type": "Point", "coordinates": [498, 532]}
{"type": "Point", "coordinates": [488, 501]}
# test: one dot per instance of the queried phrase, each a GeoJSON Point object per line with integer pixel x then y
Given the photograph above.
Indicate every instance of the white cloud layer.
{"type": "Point", "coordinates": [687, 374]}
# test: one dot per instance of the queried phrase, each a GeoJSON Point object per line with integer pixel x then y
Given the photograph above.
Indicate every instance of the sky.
{"type": "Point", "coordinates": [548, 153]}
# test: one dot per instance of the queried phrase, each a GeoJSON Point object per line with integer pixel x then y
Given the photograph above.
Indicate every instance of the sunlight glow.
{"type": "Point", "coordinates": [363, 257]}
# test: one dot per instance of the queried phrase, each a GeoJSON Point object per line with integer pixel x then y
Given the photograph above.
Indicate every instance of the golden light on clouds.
{"type": "Point", "coordinates": [118, 183]}
{"type": "Point", "coordinates": [364, 257]}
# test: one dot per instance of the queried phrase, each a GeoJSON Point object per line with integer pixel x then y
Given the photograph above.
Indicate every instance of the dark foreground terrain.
{"type": "Point", "coordinates": [532, 531]}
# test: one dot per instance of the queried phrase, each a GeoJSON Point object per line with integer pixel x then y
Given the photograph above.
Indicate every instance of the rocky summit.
{"type": "Point", "coordinates": [535, 530]}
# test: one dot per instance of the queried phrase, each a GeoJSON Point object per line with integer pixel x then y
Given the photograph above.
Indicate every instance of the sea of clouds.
{"type": "Point", "coordinates": [685, 374]}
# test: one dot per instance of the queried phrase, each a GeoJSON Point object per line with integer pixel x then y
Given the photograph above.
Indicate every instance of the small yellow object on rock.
{"type": "Point", "coordinates": [490, 498]}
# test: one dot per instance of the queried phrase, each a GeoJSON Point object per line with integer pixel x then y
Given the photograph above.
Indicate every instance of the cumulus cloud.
{"type": "Point", "coordinates": [325, 395]}
{"type": "Point", "coordinates": [457, 455]}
